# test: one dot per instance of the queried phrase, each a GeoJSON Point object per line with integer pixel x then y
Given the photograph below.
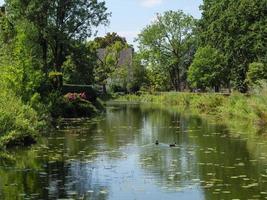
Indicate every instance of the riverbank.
{"type": "Point", "coordinates": [22, 123]}
{"type": "Point", "coordinates": [18, 122]}
{"type": "Point", "coordinates": [251, 110]}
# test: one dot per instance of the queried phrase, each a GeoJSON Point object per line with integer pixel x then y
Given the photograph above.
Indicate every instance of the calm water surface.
{"type": "Point", "coordinates": [115, 157]}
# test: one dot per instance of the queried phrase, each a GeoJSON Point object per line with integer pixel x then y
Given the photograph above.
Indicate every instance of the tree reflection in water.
{"type": "Point", "coordinates": [115, 157]}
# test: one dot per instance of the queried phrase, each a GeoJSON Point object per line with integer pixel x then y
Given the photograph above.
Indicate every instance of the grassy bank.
{"type": "Point", "coordinates": [21, 123]}
{"type": "Point", "coordinates": [18, 122]}
{"type": "Point", "coordinates": [251, 109]}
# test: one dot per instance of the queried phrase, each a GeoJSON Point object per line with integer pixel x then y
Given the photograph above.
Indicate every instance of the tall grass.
{"type": "Point", "coordinates": [252, 108]}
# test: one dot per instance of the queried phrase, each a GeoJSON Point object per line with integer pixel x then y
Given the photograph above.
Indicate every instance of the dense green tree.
{"type": "Point", "coordinates": [237, 28]}
{"type": "Point", "coordinates": [169, 45]}
{"type": "Point", "coordinates": [139, 76]}
{"type": "Point", "coordinates": [20, 68]}
{"type": "Point", "coordinates": [207, 70]}
{"type": "Point", "coordinates": [256, 73]}
{"type": "Point", "coordinates": [157, 79]}
{"type": "Point", "coordinates": [58, 23]}
{"type": "Point", "coordinates": [79, 65]}
{"type": "Point", "coordinates": [109, 40]}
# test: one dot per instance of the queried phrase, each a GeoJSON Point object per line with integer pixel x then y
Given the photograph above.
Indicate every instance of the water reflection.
{"type": "Point", "coordinates": [115, 157]}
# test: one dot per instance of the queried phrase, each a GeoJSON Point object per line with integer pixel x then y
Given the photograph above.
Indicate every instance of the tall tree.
{"type": "Point", "coordinates": [238, 29]}
{"type": "Point", "coordinates": [59, 23]}
{"type": "Point", "coordinates": [169, 42]}
{"type": "Point", "coordinates": [79, 65]}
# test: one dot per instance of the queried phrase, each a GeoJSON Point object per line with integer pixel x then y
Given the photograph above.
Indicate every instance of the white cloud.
{"type": "Point", "coordinates": [150, 3]}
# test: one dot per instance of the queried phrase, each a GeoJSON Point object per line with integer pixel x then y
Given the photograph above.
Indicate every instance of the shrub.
{"type": "Point", "coordinates": [71, 105]}
{"type": "Point", "coordinates": [76, 96]}
{"type": "Point", "coordinates": [18, 122]}
{"type": "Point", "coordinates": [78, 108]}
{"type": "Point", "coordinates": [207, 69]}
{"type": "Point", "coordinates": [90, 92]}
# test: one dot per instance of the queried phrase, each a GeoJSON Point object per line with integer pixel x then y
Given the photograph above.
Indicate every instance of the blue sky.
{"type": "Point", "coordinates": [129, 17]}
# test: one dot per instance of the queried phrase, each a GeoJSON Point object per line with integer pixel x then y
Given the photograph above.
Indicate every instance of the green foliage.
{"type": "Point", "coordinates": [70, 108]}
{"type": "Point", "coordinates": [20, 69]}
{"type": "Point", "coordinates": [207, 69]}
{"type": "Point", "coordinates": [20, 78]}
{"type": "Point", "coordinates": [53, 74]}
{"type": "Point", "coordinates": [238, 29]}
{"type": "Point", "coordinates": [251, 109]}
{"type": "Point", "coordinates": [108, 65]}
{"type": "Point", "coordinates": [69, 68]}
{"type": "Point", "coordinates": [56, 79]}
{"type": "Point", "coordinates": [79, 65]}
{"type": "Point", "coordinates": [168, 45]}
{"type": "Point", "coordinates": [256, 73]}
{"type": "Point", "coordinates": [109, 40]}
{"type": "Point", "coordinates": [138, 77]}
{"type": "Point", "coordinates": [38, 37]}
{"type": "Point", "coordinates": [57, 32]}
{"type": "Point", "coordinates": [78, 108]}
{"type": "Point", "coordinates": [15, 138]}
{"type": "Point", "coordinates": [119, 79]}
{"type": "Point", "coordinates": [17, 121]}
{"type": "Point", "coordinates": [158, 81]}
{"type": "Point", "coordinates": [259, 89]}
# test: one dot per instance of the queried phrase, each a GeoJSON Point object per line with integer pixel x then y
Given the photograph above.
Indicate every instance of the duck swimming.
{"type": "Point", "coordinates": [173, 145]}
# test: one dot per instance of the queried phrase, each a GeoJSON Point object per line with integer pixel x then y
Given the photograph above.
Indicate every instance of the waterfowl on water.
{"type": "Point", "coordinates": [157, 142]}
{"type": "Point", "coordinates": [173, 145]}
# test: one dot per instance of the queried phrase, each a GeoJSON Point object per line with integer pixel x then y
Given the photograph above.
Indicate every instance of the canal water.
{"type": "Point", "coordinates": [114, 157]}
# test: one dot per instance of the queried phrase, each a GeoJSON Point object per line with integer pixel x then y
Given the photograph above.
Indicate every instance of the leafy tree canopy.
{"type": "Point", "coordinates": [238, 29]}
{"type": "Point", "coordinates": [207, 69]}
{"type": "Point", "coordinates": [109, 40]}
{"type": "Point", "coordinates": [169, 43]}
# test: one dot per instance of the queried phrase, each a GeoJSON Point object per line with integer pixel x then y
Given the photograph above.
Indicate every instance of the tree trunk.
{"type": "Point", "coordinates": [172, 80]}
{"type": "Point", "coordinates": [229, 87]}
{"type": "Point", "coordinates": [178, 80]}
{"type": "Point", "coordinates": [175, 78]}
{"type": "Point", "coordinates": [217, 88]}
{"type": "Point", "coordinates": [44, 48]}
{"type": "Point", "coordinates": [104, 89]}
{"type": "Point", "coordinates": [58, 55]}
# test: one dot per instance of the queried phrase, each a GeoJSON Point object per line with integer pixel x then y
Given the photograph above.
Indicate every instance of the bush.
{"type": "Point", "coordinates": [18, 122]}
{"type": "Point", "coordinates": [72, 105]}
{"type": "Point", "coordinates": [87, 89]}
{"type": "Point", "coordinates": [207, 69]}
